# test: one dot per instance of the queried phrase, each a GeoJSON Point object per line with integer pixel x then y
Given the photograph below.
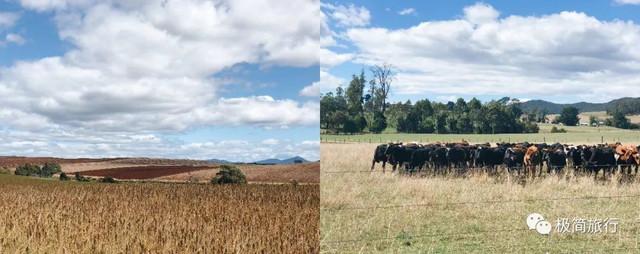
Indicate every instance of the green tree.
{"type": "Point", "coordinates": [593, 121]}
{"type": "Point", "coordinates": [379, 123]}
{"type": "Point", "coordinates": [569, 116]}
{"type": "Point", "coordinates": [618, 120]}
{"type": "Point", "coordinates": [49, 169]}
{"type": "Point", "coordinates": [355, 95]}
{"type": "Point", "coordinates": [28, 170]}
{"type": "Point", "coordinates": [229, 174]}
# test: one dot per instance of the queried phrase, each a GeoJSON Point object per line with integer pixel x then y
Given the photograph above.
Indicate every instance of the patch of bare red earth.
{"type": "Point", "coordinates": [144, 172]}
{"type": "Point", "coordinates": [302, 173]}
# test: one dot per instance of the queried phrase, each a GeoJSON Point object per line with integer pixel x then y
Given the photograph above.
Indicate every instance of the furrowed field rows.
{"type": "Point", "coordinates": [47, 216]}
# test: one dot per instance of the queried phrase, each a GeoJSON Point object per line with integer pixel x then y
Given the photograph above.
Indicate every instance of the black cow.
{"type": "Point", "coordinates": [457, 157]}
{"type": "Point", "coordinates": [419, 158]}
{"type": "Point", "coordinates": [513, 158]}
{"type": "Point", "coordinates": [380, 156]}
{"type": "Point", "coordinates": [555, 157]}
{"type": "Point", "coordinates": [439, 158]}
{"type": "Point", "coordinates": [574, 155]}
{"type": "Point", "coordinates": [399, 155]}
{"type": "Point", "coordinates": [599, 157]}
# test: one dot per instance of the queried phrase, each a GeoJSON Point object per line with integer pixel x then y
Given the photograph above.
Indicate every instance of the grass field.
{"type": "Point", "coordinates": [476, 214]}
{"type": "Point", "coordinates": [49, 216]}
{"type": "Point", "coordinates": [575, 135]}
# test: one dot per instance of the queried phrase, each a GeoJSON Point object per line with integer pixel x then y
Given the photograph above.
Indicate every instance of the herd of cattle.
{"type": "Point", "coordinates": [526, 157]}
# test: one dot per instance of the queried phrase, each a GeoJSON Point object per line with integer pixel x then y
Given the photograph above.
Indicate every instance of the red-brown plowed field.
{"type": "Point", "coordinates": [144, 172]}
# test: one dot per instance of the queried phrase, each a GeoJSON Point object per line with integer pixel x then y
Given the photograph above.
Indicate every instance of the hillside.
{"type": "Point", "coordinates": [292, 160]}
{"type": "Point", "coordinates": [556, 108]}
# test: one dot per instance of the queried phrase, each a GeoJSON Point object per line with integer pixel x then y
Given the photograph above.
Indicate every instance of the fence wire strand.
{"type": "Point", "coordinates": [478, 202]}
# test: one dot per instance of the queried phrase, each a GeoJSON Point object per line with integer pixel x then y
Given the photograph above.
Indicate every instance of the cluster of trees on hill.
{"type": "Point", "coordinates": [461, 117]}
{"type": "Point", "coordinates": [625, 106]}
{"type": "Point", "coordinates": [358, 109]}
{"type": "Point", "coordinates": [569, 117]}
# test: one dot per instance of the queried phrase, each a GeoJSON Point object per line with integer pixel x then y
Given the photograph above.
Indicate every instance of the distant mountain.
{"type": "Point", "coordinates": [216, 161]}
{"type": "Point", "coordinates": [556, 108]}
{"type": "Point", "coordinates": [291, 160]}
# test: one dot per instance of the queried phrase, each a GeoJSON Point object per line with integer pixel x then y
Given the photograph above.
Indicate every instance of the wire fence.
{"type": "Point", "coordinates": [477, 233]}
{"type": "Point", "coordinates": [354, 139]}
{"type": "Point", "coordinates": [499, 166]}
{"type": "Point", "coordinates": [450, 234]}
{"type": "Point", "coordinates": [477, 202]}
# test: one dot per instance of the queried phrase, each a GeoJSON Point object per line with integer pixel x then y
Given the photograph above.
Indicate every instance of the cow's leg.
{"type": "Point", "coordinates": [373, 163]}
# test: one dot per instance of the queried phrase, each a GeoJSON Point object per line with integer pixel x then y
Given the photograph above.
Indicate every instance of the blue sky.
{"type": "Point", "coordinates": [563, 51]}
{"type": "Point", "coordinates": [119, 78]}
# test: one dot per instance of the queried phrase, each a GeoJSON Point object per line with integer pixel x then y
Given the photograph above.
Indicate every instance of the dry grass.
{"type": "Point", "coordinates": [439, 226]}
{"type": "Point", "coordinates": [49, 216]}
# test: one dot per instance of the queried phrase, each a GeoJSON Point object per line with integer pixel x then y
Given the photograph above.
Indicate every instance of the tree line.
{"type": "Point", "coordinates": [363, 107]}
{"type": "Point", "coordinates": [359, 108]}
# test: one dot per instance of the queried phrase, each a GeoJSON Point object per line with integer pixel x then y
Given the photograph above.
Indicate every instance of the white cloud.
{"type": "Point", "coordinates": [633, 2]}
{"type": "Point", "coordinates": [327, 83]}
{"type": "Point", "coordinates": [271, 141]}
{"type": "Point", "coordinates": [14, 38]}
{"type": "Point", "coordinates": [348, 15]}
{"type": "Point", "coordinates": [113, 94]}
{"type": "Point", "coordinates": [564, 53]}
{"type": "Point", "coordinates": [480, 13]}
{"type": "Point", "coordinates": [330, 59]}
{"type": "Point", "coordinates": [407, 11]}
{"type": "Point", "coordinates": [8, 19]}
{"type": "Point", "coordinates": [160, 75]}
{"type": "Point", "coordinates": [124, 145]}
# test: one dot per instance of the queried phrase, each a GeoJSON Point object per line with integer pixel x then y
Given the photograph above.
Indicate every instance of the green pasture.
{"type": "Point", "coordinates": [574, 135]}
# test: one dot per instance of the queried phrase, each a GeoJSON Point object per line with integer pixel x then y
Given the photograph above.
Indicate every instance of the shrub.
{"type": "Point", "coordinates": [556, 130]}
{"type": "Point", "coordinates": [108, 179]}
{"type": "Point", "coordinates": [229, 175]}
{"type": "Point", "coordinates": [80, 178]}
{"type": "Point", "coordinates": [64, 177]}
{"type": "Point", "coordinates": [28, 170]}
{"type": "Point", "coordinates": [49, 169]}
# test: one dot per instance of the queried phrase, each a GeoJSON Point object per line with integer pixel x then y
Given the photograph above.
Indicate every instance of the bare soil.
{"type": "Point", "coordinates": [143, 172]}
{"type": "Point", "coordinates": [302, 173]}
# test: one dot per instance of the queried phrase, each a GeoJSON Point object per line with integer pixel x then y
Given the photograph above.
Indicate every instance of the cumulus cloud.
{"type": "Point", "coordinates": [328, 82]}
{"type": "Point", "coordinates": [162, 70]}
{"type": "Point", "coordinates": [481, 54]}
{"type": "Point", "coordinates": [136, 67]}
{"type": "Point", "coordinates": [407, 11]}
{"type": "Point", "coordinates": [8, 19]}
{"type": "Point", "coordinates": [127, 145]}
{"type": "Point", "coordinates": [14, 38]}
{"type": "Point", "coordinates": [348, 15]}
{"type": "Point", "coordinates": [480, 13]}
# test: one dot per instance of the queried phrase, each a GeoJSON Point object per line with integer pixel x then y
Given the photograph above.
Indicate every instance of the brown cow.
{"type": "Point", "coordinates": [628, 155]}
{"type": "Point", "coordinates": [532, 158]}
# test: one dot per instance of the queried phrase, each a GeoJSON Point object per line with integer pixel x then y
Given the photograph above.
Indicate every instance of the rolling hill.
{"type": "Point", "coordinates": [556, 108]}
{"type": "Point", "coordinates": [291, 160]}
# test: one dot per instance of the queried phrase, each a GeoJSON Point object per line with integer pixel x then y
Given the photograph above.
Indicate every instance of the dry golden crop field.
{"type": "Point", "coordinates": [363, 212]}
{"type": "Point", "coordinates": [50, 216]}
